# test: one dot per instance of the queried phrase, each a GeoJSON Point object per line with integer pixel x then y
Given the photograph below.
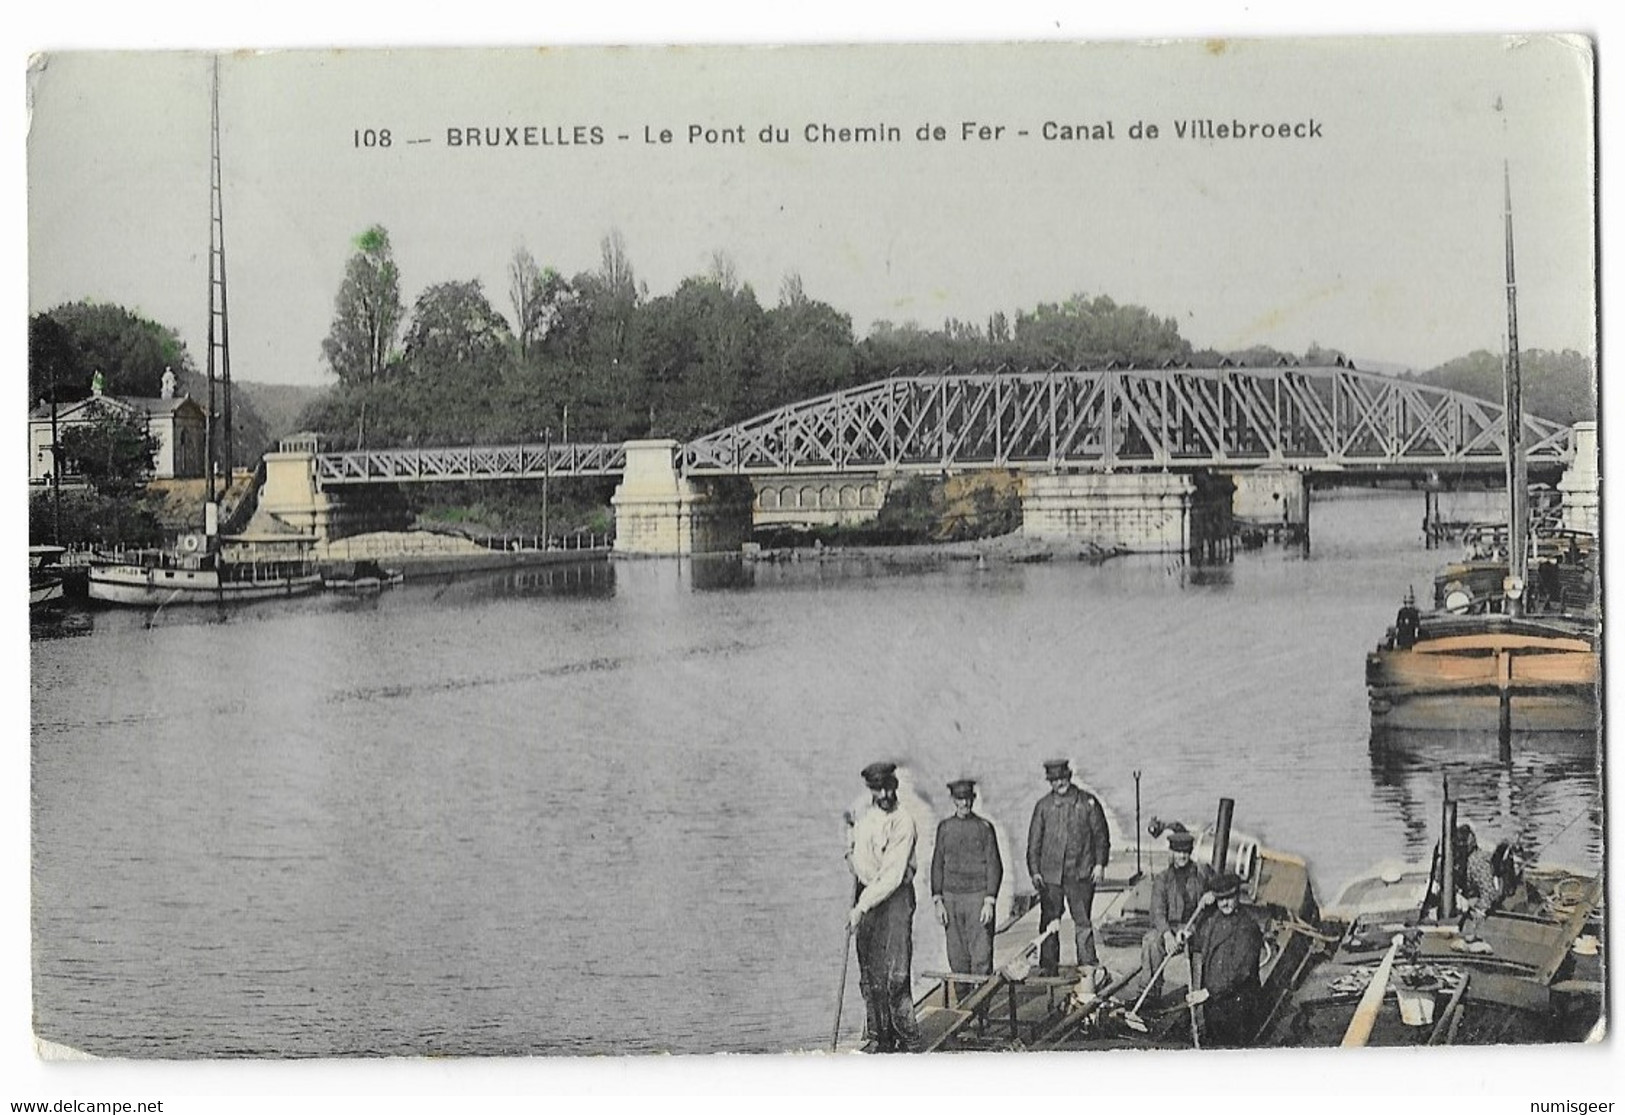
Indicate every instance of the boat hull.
{"type": "Point", "coordinates": [1456, 676]}
{"type": "Point", "coordinates": [42, 593]}
{"type": "Point", "coordinates": [141, 587]}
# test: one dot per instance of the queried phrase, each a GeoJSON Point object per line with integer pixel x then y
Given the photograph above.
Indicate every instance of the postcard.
{"type": "Point", "coordinates": [872, 549]}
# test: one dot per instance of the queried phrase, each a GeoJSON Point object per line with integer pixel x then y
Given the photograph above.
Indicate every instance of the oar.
{"type": "Point", "coordinates": [1365, 1015]}
{"type": "Point", "coordinates": [840, 994]}
{"type": "Point", "coordinates": [1132, 1019]}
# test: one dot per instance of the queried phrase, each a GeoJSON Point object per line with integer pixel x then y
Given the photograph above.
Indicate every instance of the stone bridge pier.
{"type": "Point", "coordinates": [659, 512]}
{"type": "Point", "coordinates": [1139, 512]}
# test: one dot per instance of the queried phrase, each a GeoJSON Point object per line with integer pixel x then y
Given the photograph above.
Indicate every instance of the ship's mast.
{"type": "Point", "coordinates": [219, 340]}
{"type": "Point", "coordinates": [1517, 468]}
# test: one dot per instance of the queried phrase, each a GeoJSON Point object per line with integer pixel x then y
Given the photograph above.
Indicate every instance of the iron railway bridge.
{"type": "Point", "coordinates": [1322, 419]}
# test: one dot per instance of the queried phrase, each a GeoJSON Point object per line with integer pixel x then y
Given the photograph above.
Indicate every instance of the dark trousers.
{"type": "Point", "coordinates": [885, 960]}
{"type": "Point", "coordinates": [970, 943]}
{"type": "Point", "coordinates": [1079, 897]}
{"type": "Point", "coordinates": [1229, 1018]}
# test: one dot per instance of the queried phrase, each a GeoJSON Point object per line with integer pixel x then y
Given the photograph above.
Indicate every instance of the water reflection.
{"type": "Point", "coordinates": [587, 579]}
{"type": "Point", "coordinates": [1542, 791]}
{"type": "Point", "coordinates": [60, 623]}
{"type": "Point", "coordinates": [721, 573]}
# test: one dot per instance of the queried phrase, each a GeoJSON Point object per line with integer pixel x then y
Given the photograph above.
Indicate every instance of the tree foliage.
{"type": "Point", "coordinates": [1560, 386]}
{"type": "Point", "coordinates": [114, 451]}
{"type": "Point", "coordinates": [1092, 332]}
{"type": "Point", "coordinates": [366, 312]}
{"type": "Point", "coordinates": [78, 339]}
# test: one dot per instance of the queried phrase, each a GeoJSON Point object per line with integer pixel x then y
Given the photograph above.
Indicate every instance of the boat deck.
{"type": "Point", "coordinates": [1019, 1008]}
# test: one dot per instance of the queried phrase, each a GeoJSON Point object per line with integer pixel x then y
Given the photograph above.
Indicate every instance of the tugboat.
{"type": "Point", "coordinates": [195, 572]}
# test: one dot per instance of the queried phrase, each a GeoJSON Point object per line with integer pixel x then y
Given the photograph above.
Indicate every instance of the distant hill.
{"type": "Point", "coordinates": [279, 405]}
{"type": "Point", "coordinates": [1559, 386]}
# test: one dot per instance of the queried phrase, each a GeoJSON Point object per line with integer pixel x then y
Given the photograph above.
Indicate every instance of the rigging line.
{"type": "Point", "coordinates": [1596, 800]}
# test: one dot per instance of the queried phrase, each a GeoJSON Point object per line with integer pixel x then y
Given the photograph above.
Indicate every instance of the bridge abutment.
{"type": "Point", "coordinates": [1579, 483]}
{"type": "Point", "coordinates": [1145, 512]}
{"type": "Point", "coordinates": [659, 513]}
{"type": "Point", "coordinates": [292, 497]}
{"type": "Point", "coordinates": [290, 494]}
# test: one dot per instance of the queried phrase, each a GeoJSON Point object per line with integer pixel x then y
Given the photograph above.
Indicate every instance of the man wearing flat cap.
{"type": "Point", "coordinates": [1229, 943]}
{"type": "Point", "coordinates": [1176, 894]}
{"type": "Point", "coordinates": [1068, 847]}
{"type": "Point", "coordinates": [882, 917]}
{"type": "Point", "coordinates": [965, 874]}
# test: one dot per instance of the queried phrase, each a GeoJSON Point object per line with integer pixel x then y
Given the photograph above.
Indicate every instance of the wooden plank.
{"type": "Point", "coordinates": [938, 1024]}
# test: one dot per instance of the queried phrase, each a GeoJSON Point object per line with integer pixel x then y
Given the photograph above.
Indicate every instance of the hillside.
{"type": "Point", "coordinates": [279, 405]}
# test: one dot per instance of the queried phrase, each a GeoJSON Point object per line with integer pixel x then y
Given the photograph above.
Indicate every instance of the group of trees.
{"type": "Point", "coordinates": [589, 357]}
{"type": "Point", "coordinates": [595, 356]}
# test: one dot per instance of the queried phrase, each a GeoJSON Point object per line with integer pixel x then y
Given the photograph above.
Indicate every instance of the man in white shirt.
{"type": "Point", "coordinates": [882, 917]}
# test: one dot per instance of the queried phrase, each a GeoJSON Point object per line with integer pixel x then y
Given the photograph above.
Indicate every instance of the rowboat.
{"type": "Point", "coordinates": [360, 578]}
{"type": "Point", "coordinates": [44, 575]}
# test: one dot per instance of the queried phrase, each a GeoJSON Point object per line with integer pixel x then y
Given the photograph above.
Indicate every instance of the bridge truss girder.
{"type": "Point", "coordinates": [1318, 418]}
{"type": "Point", "coordinates": [486, 462]}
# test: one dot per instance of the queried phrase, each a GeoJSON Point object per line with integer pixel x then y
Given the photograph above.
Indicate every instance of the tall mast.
{"type": "Point", "coordinates": [1517, 468]}
{"type": "Point", "coordinates": [219, 334]}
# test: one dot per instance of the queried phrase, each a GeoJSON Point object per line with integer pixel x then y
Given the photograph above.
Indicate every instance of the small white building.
{"type": "Point", "coordinates": [179, 425]}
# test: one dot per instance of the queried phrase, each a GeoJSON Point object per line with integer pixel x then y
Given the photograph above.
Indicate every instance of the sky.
{"type": "Point", "coordinates": [1382, 238]}
{"type": "Point", "coordinates": [1377, 233]}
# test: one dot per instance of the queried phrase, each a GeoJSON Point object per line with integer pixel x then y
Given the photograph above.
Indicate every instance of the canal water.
{"type": "Point", "coordinates": [598, 810]}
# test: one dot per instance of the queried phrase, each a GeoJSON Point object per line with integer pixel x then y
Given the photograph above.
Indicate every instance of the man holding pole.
{"type": "Point", "coordinates": [1176, 895]}
{"type": "Point", "coordinates": [882, 917]}
{"type": "Point", "coordinates": [966, 871]}
{"type": "Point", "coordinates": [1229, 944]}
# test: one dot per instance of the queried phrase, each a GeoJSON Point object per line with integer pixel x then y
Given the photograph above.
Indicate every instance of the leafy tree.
{"type": "Point", "coordinates": [114, 452]}
{"type": "Point", "coordinates": [525, 293]}
{"type": "Point", "coordinates": [86, 337]}
{"type": "Point", "coordinates": [805, 349]}
{"type": "Point", "coordinates": [51, 358]}
{"type": "Point", "coordinates": [366, 312]}
{"type": "Point", "coordinates": [906, 349]}
{"type": "Point", "coordinates": [454, 329]}
{"type": "Point", "coordinates": [1087, 332]}
{"type": "Point", "coordinates": [701, 355]}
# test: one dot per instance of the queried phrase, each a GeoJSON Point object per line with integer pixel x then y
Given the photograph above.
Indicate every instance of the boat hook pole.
{"type": "Point", "coordinates": [840, 994]}
{"type": "Point", "coordinates": [1136, 828]}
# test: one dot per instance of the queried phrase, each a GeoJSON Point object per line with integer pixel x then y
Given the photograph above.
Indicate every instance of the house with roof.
{"type": "Point", "coordinates": [179, 425]}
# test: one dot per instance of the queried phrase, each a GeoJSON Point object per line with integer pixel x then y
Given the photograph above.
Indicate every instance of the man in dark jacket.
{"type": "Point", "coordinates": [1229, 944]}
{"type": "Point", "coordinates": [965, 874]}
{"type": "Point", "coordinates": [1175, 896]}
{"type": "Point", "coordinates": [1067, 851]}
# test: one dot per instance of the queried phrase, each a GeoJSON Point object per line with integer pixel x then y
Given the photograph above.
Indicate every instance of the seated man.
{"type": "Point", "coordinates": [1175, 896]}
